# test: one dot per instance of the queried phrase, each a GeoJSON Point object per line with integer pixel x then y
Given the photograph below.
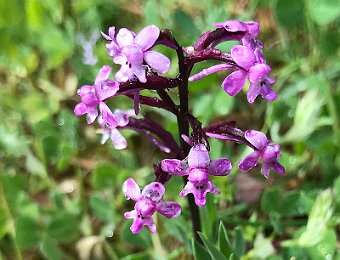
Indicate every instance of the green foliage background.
{"type": "Point", "coordinates": [60, 190]}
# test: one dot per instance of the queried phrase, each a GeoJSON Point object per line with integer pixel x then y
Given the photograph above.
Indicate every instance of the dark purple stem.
{"type": "Point", "coordinates": [154, 102]}
{"type": "Point", "coordinates": [228, 130]}
{"type": "Point", "coordinates": [183, 128]}
{"type": "Point", "coordinates": [154, 82]}
{"type": "Point", "coordinates": [147, 127]}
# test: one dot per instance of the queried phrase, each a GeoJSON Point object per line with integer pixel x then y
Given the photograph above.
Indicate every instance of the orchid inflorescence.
{"type": "Point", "coordinates": [140, 69]}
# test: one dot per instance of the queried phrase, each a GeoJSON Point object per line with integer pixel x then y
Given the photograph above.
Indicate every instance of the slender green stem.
{"type": "Point", "coordinates": [10, 220]}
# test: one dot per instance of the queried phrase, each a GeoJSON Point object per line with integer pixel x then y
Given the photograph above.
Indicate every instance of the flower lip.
{"type": "Point", "coordinates": [145, 207]}
{"type": "Point", "coordinates": [198, 176]}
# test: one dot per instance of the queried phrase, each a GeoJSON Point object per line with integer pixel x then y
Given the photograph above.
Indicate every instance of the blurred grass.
{"type": "Point", "coordinates": [61, 190]}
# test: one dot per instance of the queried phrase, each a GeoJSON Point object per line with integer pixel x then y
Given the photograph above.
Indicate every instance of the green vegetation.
{"type": "Point", "coordinates": [60, 190]}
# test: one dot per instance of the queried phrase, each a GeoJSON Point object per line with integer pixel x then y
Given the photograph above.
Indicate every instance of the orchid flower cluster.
{"type": "Point", "coordinates": [142, 68]}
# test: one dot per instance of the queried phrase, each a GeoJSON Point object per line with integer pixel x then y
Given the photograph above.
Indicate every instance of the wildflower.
{"type": "Point", "coordinates": [131, 50]}
{"type": "Point", "coordinates": [147, 203]}
{"type": "Point", "coordinates": [269, 152]}
{"type": "Point", "coordinates": [257, 73]}
{"type": "Point", "coordinates": [110, 122]}
{"type": "Point", "coordinates": [198, 167]}
{"type": "Point", "coordinates": [92, 96]}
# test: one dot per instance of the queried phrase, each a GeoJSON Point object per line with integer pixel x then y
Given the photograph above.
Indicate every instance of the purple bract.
{"type": "Point", "coordinates": [131, 51]}
{"type": "Point", "coordinates": [269, 152]}
{"type": "Point", "coordinates": [198, 167]}
{"type": "Point", "coordinates": [147, 203]}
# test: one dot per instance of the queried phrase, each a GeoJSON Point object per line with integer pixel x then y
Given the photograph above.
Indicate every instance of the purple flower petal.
{"type": "Point", "coordinates": [125, 37]}
{"type": "Point", "coordinates": [198, 156]}
{"type": "Point", "coordinates": [105, 134]}
{"type": "Point", "coordinates": [153, 191]}
{"type": "Point", "coordinates": [232, 26]}
{"type": "Point", "coordinates": [220, 167]}
{"type": "Point", "coordinates": [122, 117]}
{"type": "Point", "coordinates": [124, 74]}
{"type": "Point", "coordinates": [266, 169]}
{"type": "Point", "coordinates": [199, 192]}
{"type": "Point", "coordinates": [131, 189]}
{"type": "Point", "coordinates": [253, 28]}
{"type": "Point", "coordinates": [258, 72]}
{"type": "Point", "coordinates": [267, 93]}
{"type": "Point", "coordinates": [112, 49]}
{"type": "Point", "coordinates": [106, 89]}
{"type": "Point", "coordinates": [157, 61]}
{"type": "Point", "coordinates": [107, 116]}
{"type": "Point", "coordinates": [92, 114]}
{"type": "Point", "coordinates": [111, 36]}
{"type": "Point", "coordinates": [256, 138]}
{"type": "Point", "coordinates": [169, 209]}
{"type": "Point", "coordinates": [249, 161]}
{"type": "Point", "coordinates": [80, 109]}
{"type": "Point", "coordinates": [133, 54]}
{"type": "Point", "coordinates": [118, 140]}
{"type": "Point", "coordinates": [243, 56]}
{"type": "Point", "coordinates": [278, 168]}
{"type": "Point", "coordinates": [253, 92]}
{"type": "Point", "coordinates": [136, 226]}
{"type": "Point", "coordinates": [234, 82]}
{"type": "Point", "coordinates": [147, 37]}
{"type": "Point", "coordinates": [131, 214]}
{"type": "Point", "coordinates": [174, 166]}
{"type": "Point", "coordinates": [271, 152]}
{"type": "Point", "coordinates": [139, 71]}
{"type": "Point", "coordinates": [103, 74]}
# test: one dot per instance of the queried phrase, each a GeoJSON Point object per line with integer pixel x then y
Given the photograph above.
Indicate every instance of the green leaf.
{"type": "Point", "coordinates": [141, 240]}
{"type": "Point", "coordinates": [324, 12]}
{"type": "Point", "coordinates": [270, 201]}
{"type": "Point", "coordinates": [325, 248]}
{"type": "Point", "coordinates": [289, 12]}
{"type": "Point", "coordinates": [63, 227]}
{"type": "Point", "coordinates": [27, 232]}
{"type": "Point", "coordinates": [239, 243]}
{"type": "Point", "coordinates": [213, 251]}
{"type": "Point", "coordinates": [51, 251]}
{"type": "Point", "coordinates": [306, 117]}
{"type": "Point", "coordinates": [263, 248]}
{"type": "Point", "coordinates": [317, 221]}
{"type": "Point", "coordinates": [101, 208]}
{"type": "Point", "coordinates": [199, 252]}
{"type": "Point", "coordinates": [223, 241]}
{"type": "Point", "coordinates": [208, 216]}
{"type": "Point", "coordinates": [104, 176]}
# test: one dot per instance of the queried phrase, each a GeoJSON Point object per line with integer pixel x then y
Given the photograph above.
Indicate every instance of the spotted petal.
{"type": "Point", "coordinates": [154, 191]}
